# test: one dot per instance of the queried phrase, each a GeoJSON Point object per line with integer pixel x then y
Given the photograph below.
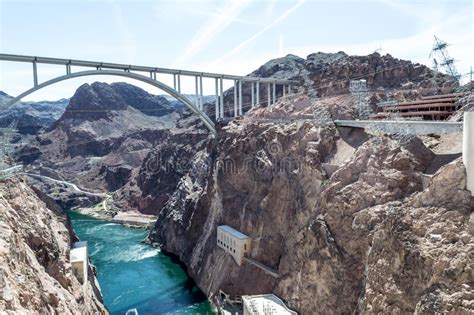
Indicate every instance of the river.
{"type": "Point", "coordinates": [136, 275]}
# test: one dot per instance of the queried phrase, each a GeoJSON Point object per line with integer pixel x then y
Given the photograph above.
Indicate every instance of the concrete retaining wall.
{"type": "Point", "coordinates": [468, 149]}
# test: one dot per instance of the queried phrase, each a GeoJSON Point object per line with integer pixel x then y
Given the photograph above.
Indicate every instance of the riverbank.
{"type": "Point", "coordinates": [102, 211]}
{"type": "Point", "coordinates": [134, 219]}
{"type": "Point", "coordinates": [137, 275]}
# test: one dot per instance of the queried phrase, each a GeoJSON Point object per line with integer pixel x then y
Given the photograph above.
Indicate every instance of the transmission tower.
{"type": "Point", "coordinates": [446, 62]}
{"type": "Point", "coordinates": [358, 89]}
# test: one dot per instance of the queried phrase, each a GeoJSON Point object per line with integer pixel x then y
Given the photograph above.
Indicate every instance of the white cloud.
{"type": "Point", "coordinates": [226, 15]}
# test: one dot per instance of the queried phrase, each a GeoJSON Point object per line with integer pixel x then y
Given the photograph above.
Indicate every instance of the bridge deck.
{"type": "Point", "coordinates": [416, 127]}
{"type": "Point", "coordinates": [125, 67]}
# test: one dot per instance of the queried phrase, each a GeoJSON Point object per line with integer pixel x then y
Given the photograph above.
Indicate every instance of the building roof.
{"type": "Point", "coordinates": [78, 254]}
{"type": "Point", "coordinates": [79, 244]}
{"type": "Point", "coordinates": [266, 304]}
{"type": "Point", "coordinates": [233, 232]}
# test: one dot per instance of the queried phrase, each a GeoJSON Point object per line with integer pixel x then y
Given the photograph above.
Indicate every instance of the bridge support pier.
{"type": "Point", "coordinates": [274, 93]}
{"type": "Point", "coordinates": [468, 149]}
{"type": "Point", "coordinates": [217, 99]}
{"type": "Point", "coordinates": [179, 83]}
{"type": "Point", "coordinates": [236, 112]}
{"type": "Point", "coordinates": [197, 93]}
{"type": "Point", "coordinates": [240, 97]}
{"type": "Point", "coordinates": [222, 98]}
{"type": "Point", "coordinates": [268, 95]}
{"type": "Point", "coordinates": [258, 93]}
{"type": "Point", "coordinates": [252, 84]}
{"type": "Point", "coordinates": [201, 105]}
{"type": "Point", "coordinates": [35, 73]}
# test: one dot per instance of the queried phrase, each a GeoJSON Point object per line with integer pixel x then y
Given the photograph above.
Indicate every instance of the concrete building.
{"type": "Point", "coordinates": [265, 304]}
{"type": "Point", "coordinates": [233, 242]}
{"type": "Point", "coordinates": [79, 258]}
{"type": "Point", "coordinates": [468, 149]}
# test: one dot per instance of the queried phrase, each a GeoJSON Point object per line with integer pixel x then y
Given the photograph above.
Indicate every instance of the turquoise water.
{"type": "Point", "coordinates": [136, 275]}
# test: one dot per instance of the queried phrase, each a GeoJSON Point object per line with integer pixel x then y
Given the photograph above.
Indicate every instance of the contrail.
{"type": "Point", "coordinates": [227, 14]}
{"type": "Point", "coordinates": [278, 20]}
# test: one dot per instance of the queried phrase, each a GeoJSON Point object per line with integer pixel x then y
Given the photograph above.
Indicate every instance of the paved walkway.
{"type": "Point", "coordinates": [268, 270]}
{"type": "Point", "coordinates": [74, 186]}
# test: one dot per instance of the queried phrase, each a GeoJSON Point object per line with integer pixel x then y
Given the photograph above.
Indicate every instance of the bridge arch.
{"type": "Point", "coordinates": [180, 97]}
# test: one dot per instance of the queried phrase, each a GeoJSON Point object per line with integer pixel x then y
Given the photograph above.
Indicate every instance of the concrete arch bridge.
{"type": "Point", "coordinates": [148, 75]}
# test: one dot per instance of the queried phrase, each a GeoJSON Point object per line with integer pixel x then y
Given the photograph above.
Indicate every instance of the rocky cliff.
{"type": "Point", "coordinates": [101, 140]}
{"type": "Point", "coordinates": [35, 273]}
{"type": "Point", "coordinates": [363, 237]}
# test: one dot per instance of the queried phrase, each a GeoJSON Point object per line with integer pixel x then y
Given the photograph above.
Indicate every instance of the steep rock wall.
{"type": "Point", "coordinates": [366, 239]}
{"type": "Point", "coordinates": [35, 273]}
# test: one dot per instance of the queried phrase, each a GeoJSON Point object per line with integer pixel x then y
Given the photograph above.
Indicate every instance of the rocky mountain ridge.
{"type": "Point", "coordinates": [329, 73]}
{"type": "Point", "coordinates": [30, 117]}
{"type": "Point", "coordinates": [102, 137]}
{"type": "Point", "coordinates": [33, 118]}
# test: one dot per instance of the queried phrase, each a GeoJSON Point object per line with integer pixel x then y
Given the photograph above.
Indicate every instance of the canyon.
{"type": "Point", "coordinates": [368, 238]}
{"type": "Point", "coordinates": [341, 216]}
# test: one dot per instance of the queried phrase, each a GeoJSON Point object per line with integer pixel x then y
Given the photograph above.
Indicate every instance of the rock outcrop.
{"type": "Point", "coordinates": [35, 272]}
{"type": "Point", "coordinates": [161, 170]}
{"type": "Point", "coordinates": [102, 139]}
{"type": "Point", "coordinates": [366, 239]}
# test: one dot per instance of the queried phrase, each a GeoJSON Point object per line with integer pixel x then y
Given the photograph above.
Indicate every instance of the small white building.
{"type": "Point", "coordinates": [232, 241]}
{"type": "Point", "coordinates": [79, 258]}
{"type": "Point", "coordinates": [265, 304]}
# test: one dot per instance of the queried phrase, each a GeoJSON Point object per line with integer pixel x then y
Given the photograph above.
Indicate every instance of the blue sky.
{"type": "Point", "coordinates": [220, 36]}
